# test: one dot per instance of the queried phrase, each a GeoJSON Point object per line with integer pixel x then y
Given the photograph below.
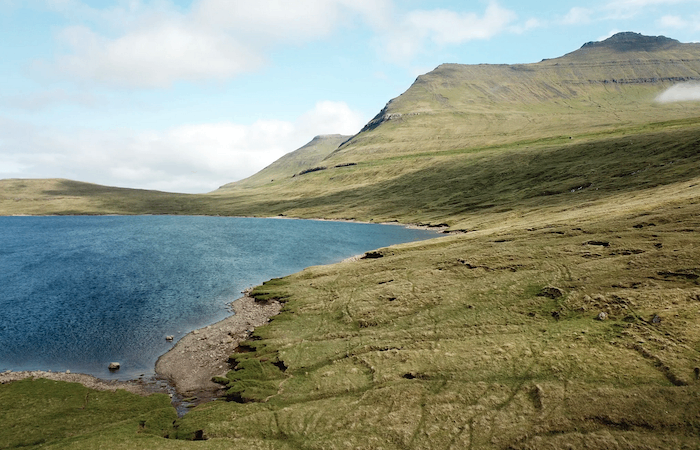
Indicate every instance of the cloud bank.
{"type": "Point", "coordinates": [188, 158]}
{"type": "Point", "coordinates": [154, 45]}
{"type": "Point", "coordinates": [685, 92]}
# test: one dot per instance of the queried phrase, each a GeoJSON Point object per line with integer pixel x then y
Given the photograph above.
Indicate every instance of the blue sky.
{"type": "Point", "coordinates": [185, 96]}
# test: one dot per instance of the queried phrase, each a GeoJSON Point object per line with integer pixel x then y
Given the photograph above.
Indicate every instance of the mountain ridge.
{"type": "Point", "coordinates": [630, 41]}
{"type": "Point", "coordinates": [611, 79]}
{"type": "Point", "coordinates": [304, 158]}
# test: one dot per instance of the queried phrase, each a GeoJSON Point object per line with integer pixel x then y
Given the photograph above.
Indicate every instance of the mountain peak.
{"type": "Point", "coordinates": [629, 41]}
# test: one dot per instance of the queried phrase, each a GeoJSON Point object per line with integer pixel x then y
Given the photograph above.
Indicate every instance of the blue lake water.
{"type": "Point", "coordinates": [79, 292]}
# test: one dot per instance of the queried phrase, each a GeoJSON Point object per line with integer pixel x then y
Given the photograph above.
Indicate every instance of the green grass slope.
{"type": "Point", "coordinates": [601, 86]}
{"type": "Point", "coordinates": [60, 196]}
{"type": "Point", "coordinates": [305, 158]}
{"type": "Point", "coordinates": [487, 340]}
{"type": "Point", "coordinates": [50, 414]}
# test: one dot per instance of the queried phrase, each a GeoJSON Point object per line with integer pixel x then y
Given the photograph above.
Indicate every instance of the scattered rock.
{"type": "Point", "coordinates": [373, 255]}
{"type": "Point", "coordinates": [602, 315]}
{"type": "Point", "coordinates": [537, 394]}
{"type": "Point", "coordinates": [114, 366]}
{"type": "Point", "coordinates": [687, 275]}
{"type": "Point", "coordinates": [470, 265]}
{"type": "Point", "coordinates": [197, 357]}
{"type": "Point", "coordinates": [68, 372]}
{"type": "Point", "coordinates": [551, 292]}
{"type": "Point", "coordinates": [599, 243]}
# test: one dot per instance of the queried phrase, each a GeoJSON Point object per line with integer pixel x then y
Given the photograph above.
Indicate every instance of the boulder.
{"type": "Point", "coordinates": [551, 292]}
{"type": "Point", "coordinates": [114, 366]}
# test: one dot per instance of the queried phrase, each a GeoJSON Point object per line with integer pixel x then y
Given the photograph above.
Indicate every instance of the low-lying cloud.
{"type": "Point", "coordinates": [686, 92]}
{"type": "Point", "coordinates": [188, 158]}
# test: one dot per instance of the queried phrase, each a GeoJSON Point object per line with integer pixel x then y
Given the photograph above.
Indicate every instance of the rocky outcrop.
{"type": "Point", "coordinates": [629, 41]}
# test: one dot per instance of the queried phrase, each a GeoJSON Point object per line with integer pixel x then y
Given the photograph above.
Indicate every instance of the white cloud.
{"type": "Point", "coordinates": [578, 16]}
{"type": "Point", "coordinates": [187, 158]}
{"type": "Point", "coordinates": [155, 57]}
{"type": "Point", "coordinates": [617, 10]}
{"type": "Point", "coordinates": [529, 24]}
{"type": "Point", "coordinates": [449, 27]}
{"type": "Point", "coordinates": [684, 92]}
{"type": "Point", "coordinates": [136, 44]}
{"type": "Point", "coordinates": [673, 22]}
{"type": "Point", "coordinates": [155, 44]}
{"type": "Point", "coordinates": [680, 23]}
{"type": "Point", "coordinates": [38, 101]}
{"type": "Point", "coordinates": [418, 28]}
{"type": "Point", "coordinates": [330, 118]}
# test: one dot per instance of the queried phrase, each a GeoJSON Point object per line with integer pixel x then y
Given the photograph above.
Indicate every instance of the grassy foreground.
{"type": "Point", "coordinates": [485, 340]}
{"type": "Point", "coordinates": [488, 339]}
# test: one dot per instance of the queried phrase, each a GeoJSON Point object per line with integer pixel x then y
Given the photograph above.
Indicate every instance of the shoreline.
{"type": "Point", "coordinates": [185, 371]}
{"type": "Point", "coordinates": [202, 354]}
{"type": "Point", "coordinates": [143, 387]}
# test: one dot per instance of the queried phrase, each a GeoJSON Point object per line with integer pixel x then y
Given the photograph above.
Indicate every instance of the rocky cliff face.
{"type": "Point", "coordinates": [628, 41]}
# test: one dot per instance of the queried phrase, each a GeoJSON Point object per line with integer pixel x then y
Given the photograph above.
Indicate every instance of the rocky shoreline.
{"type": "Point", "coordinates": [189, 366]}
{"type": "Point", "coordinates": [140, 387]}
{"type": "Point", "coordinates": [202, 354]}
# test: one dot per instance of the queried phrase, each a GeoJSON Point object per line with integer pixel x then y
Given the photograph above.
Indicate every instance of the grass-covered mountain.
{"type": "Point", "coordinates": [564, 315]}
{"type": "Point", "coordinates": [602, 86]}
{"type": "Point", "coordinates": [467, 138]}
{"type": "Point", "coordinates": [298, 162]}
{"type": "Point", "coordinates": [439, 151]}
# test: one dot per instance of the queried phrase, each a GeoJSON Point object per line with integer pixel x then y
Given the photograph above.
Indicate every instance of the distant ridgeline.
{"type": "Point", "coordinates": [604, 88]}
{"type": "Point", "coordinates": [629, 42]}
{"type": "Point", "coordinates": [601, 86]}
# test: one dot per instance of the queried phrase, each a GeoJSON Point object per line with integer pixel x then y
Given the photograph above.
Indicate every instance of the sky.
{"type": "Point", "coordinates": [187, 95]}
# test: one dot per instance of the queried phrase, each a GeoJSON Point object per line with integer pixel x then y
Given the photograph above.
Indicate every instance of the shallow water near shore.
{"type": "Point", "coordinates": [79, 292]}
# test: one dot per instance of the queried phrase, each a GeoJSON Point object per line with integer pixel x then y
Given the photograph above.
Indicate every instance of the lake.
{"type": "Point", "coordinates": [78, 292]}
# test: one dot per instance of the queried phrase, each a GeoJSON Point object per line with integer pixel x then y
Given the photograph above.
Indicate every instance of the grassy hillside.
{"type": "Point", "coordinates": [306, 158]}
{"type": "Point", "coordinates": [573, 194]}
{"type": "Point", "coordinates": [602, 86]}
{"type": "Point", "coordinates": [426, 156]}
{"type": "Point", "coordinates": [486, 340]}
